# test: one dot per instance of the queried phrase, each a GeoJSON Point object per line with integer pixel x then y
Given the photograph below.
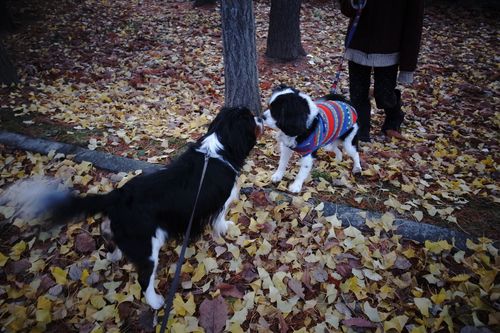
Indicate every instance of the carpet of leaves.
{"type": "Point", "coordinates": [140, 79]}
{"type": "Point", "coordinates": [283, 267]}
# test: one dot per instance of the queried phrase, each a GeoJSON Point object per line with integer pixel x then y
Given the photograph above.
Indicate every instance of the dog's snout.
{"type": "Point", "coordinates": [263, 117]}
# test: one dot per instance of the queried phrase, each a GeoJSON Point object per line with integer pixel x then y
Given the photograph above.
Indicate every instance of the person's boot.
{"type": "Point", "coordinates": [394, 116]}
{"type": "Point", "coordinates": [364, 122]}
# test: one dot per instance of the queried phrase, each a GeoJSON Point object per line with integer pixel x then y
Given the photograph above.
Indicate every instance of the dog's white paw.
{"type": "Point", "coordinates": [356, 169]}
{"type": "Point", "coordinates": [277, 177]}
{"type": "Point", "coordinates": [155, 301]}
{"type": "Point", "coordinates": [220, 228]}
{"type": "Point", "coordinates": [338, 157]}
{"type": "Point", "coordinates": [296, 187]}
{"type": "Point", "coordinates": [115, 256]}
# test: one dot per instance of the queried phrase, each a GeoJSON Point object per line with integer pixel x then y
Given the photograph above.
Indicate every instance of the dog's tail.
{"type": "Point", "coordinates": [44, 197]}
{"type": "Point", "coordinates": [66, 206]}
{"type": "Point", "coordinates": [333, 97]}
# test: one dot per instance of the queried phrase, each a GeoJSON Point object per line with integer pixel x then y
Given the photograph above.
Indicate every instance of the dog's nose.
{"type": "Point", "coordinates": [264, 117]}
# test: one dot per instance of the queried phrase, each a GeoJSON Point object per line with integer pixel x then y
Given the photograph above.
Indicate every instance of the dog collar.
{"type": "Point", "coordinates": [334, 119]}
{"type": "Point", "coordinates": [220, 158]}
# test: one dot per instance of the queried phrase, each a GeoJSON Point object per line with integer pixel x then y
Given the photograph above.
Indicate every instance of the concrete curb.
{"type": "Point", "coordinates": [349, 216]}
{"type": "Point", "coordinates": [107, 162]}
{"type": "Point", "coordinates": [408, 229]}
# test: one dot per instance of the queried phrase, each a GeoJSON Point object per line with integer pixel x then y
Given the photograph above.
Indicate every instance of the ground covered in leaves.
{"type": "Point", "coordinates": [283, 267]}
{"type": "Point", "coordinates": [142, 79]}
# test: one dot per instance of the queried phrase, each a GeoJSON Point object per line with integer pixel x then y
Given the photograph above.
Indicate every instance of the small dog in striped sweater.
{"type": "Point", "coordinates": [305, 125]}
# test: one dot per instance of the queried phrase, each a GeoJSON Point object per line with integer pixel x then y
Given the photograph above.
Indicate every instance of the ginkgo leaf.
{"type": "Point", "coordinates": [135, 289]}
{"type": "Point", "coordinates": [239, 317]}
{"type": "Point", "coordinates": [396, 323]}
{"type": "Point", "coordinates": [43, 316]}
{"type": "Point", "coordinates": [101, 264]}
{"type": "Point", "coordinates": [372, 275]}
{"type": "Point", "coordinates": [200, 272]}
{"type": "Point", "coordinates": [274, 294]}
{"type": "Point", "coordinates": [105, 312]}
{"type": "Point", "coordinates": [350, 285]}
{"type": "Point", "coordinates": [44, 303]}
{"type": "Point", "coordinates": [122, 298]}
{"type": "Point", "coordinates": [439, 298]}
{"type": "Point", "coordinates": [235, 328]}
{"type": "Point", "coordinates": [60, 275]}
{"type": "Point", "coordinates": [418, 215]}
{"type": "Point", "coordinates": [98, 302]}
{"type": "Point", "coordinates": [423, 304]}
{"type": "Point", "coordinates": [438, 246]}
{"type": "Point", "coordinates": [372, 313]}
{"type": "Point", "coordinates": [264, 249]}
{"type": "Point", "coordinates": [84, 276]}
{"type": "Point", "coordinates": [3, 260]}
{"type": "Point", "coordinates": [459, 278]}
{"type": "Point", "coordinates": [182, 307]}
{"type": "Point", "coordinates": [211, 265]}
{"type": "Point", "coordinates": [17, 250]}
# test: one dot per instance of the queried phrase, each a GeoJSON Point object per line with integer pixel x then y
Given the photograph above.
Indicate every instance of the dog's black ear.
{"type": "Point", "coordinates": [292, 113]}
{"type": "Point", "coordinates": [237, 131]}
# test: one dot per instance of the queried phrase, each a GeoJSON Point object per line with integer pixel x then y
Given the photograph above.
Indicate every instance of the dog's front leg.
{"type": "Point", "coordinates": [305, 168]}
{"type": "Point", "coordinates": [221, 224]}
{"type": "Point", "coordinates": [286, 153]}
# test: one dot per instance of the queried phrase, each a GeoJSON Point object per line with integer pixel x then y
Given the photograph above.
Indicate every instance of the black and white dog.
{"type": "Point", "coordinates": [153, 208]}
{"type": "Point", "coordinates": [305, 126]}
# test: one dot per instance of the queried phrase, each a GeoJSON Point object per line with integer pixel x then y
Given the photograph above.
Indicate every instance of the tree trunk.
{"type": "Point", "coordinates": [6, 22]}
{"type": "Point", "coordinates": [8, 73]}
{"type": "Point", "coordinates": [240, 55]}
{"type": "Point", "coordinates": [199, 3]}
{"type": "Point", "coordinates": [283, 36]}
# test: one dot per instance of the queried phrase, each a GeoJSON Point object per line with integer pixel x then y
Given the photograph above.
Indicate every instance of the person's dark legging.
{"type": "Point", "coordinates": [386, 96]}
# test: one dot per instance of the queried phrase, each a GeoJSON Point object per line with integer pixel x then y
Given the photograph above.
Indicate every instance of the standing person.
{"type": "Point", "coordinates": [387, 39]}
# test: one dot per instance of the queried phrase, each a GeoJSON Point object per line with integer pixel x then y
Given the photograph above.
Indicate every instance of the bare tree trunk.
{"type": "Point", "coordinates": [8, 74]}
{"type": "Point", "coordinates": [240, 55]}
{"type": "Point", "coordinates": [6, 22]}
{"type": "Point", "coordinates": [283, 37]}
{"type": "Point", "coordinates": [199, 3]}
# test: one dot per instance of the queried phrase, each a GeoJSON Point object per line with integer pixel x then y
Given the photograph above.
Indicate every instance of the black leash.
{"type": "Point", "coordinates": [351, 33]}
{"type": "Point", "coordinates": [168, 305]}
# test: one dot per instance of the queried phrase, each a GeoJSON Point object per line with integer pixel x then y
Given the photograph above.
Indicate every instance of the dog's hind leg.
{"type": "Point", "coordinates": [285, 155]}
{"type": "Point", "coordinates": [146, 278]}
{"type": "Point", "coordinates": [352, 151]}
{"type": "Point", "coordinates": [306, 164]}
{"type": "Point", "coordinates": [221, 224]}
{"type": "Point", "coordinates": [144, 256]}
{"type": "Point", "coordinates": [334, 146]}
{"type": "Point", "coordinates": [114, 254]}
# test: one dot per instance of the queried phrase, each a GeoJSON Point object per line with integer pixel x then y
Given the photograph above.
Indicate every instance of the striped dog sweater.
{"type": "Point", "coordinates": [334, 119]}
